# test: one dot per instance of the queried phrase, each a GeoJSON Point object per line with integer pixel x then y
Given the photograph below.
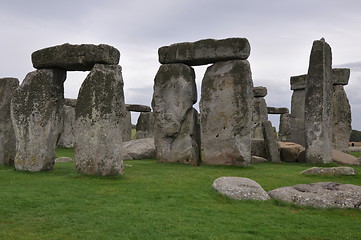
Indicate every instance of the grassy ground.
{"type": "Point", "coordinates": [163, 201]}
{"type": "Point", "coordinates": [356, 154]}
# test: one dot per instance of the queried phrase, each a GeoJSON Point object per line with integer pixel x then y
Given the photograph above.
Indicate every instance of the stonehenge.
{"type": "Point", "coordinates": [66, 138]}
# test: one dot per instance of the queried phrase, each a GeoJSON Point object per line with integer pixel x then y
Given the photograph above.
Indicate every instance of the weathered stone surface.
{"type": "Point", "coordinates": [297, 117]}
{"type": "Point", "coordinates": [291, 152]}
{"type": "Point", "coordinates": [275, 110]}
{"type": "Point", "coordinates": [139, 149]}
{"type": "Point", "coordinates": [205, 51]}
{"type": "Point", "coordinates": [240, 188]}
{"type": "Point", "coordinates": [344, 158]}
{"type": "Point", "coordinates": [176, 128]}
{"type": "Point", "coordinates": [341, 109]}
{"type": "Point", "coordinates": [70, 102]}
{"type": "Point", "coordinates": [127, 127]}
{"type": "Point", "coordinates": [7, 134]}
{"type": "Point", "coordinates": [298, 103]}
{"type": "Point", "coordinates": [320, 195]}
{"type": "Point", "coordinates": [340, 76]}
{"type": "Point", "coordinates": [75, 57]}
{"type": "Point", "coordinates": [226, 113]}
{"type": "Point", "coordinates": [66, 138]}
{"type": "Point", "coordinates": [259, 115]}
{"type": "Point", "coordinates": [137, 108]}
{"type": "Point", "coordinates": [258, 148]}
{"type": "Point", "coordinates": [333, 171]}
{"type": "Point", "coordinates": [36, 113]}
{"type": "Point", "coordinates": [271, 144]}
{"type": "Point", "coordinates": [298, 82]}
{"type": "Point", "coordinates": [100, 113]}
{"type": "Point", "coordinates": [257, 159]}
{"type": "Point", "coordinates": [318, 110]}
{"type": "Point", "coordinates": [285, 127]}
{"type": "Point", "coordinates": [63, 159]}
{"type": "Point", "coordinates": [145, 125]}
{"type": "Point", "coordinates": [259, 91]}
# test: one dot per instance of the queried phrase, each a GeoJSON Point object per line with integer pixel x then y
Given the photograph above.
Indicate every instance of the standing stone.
{"type": "Point", "coordinates": [127, 127]}
{"type": "Point", "coordinates": [271, 144]}
{"type": "Point", "coordinates": [226, 113]}
{"type": "Point", "coordinates": [318, 110]}
{"type": "Point", "coordinates": [99, 117]}
{"type": "Point", "coordinates": [341, 129]}
{"type": "Point", "coordinates": [7, 135]}
{"type": "Point", "coordinates": [285, 127]}
{"type": "Point", "coordinates": [145, 125]}
{"type": "Point", "coordinates": [36, 113]}
{"type": "Point", "coordinates": [176, 128]}
{"type": "Point", "coordinates": [67, 130]}
{"type": "Point", "coordinates": [260, 113]}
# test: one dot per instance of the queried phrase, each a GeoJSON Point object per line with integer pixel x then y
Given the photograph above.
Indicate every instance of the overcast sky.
{"type": "Point", "coordinates": [280, 32]}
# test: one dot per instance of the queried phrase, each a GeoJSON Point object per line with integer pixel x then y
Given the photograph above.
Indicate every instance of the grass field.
{"type": "Point", "coordinates": [163, 201]}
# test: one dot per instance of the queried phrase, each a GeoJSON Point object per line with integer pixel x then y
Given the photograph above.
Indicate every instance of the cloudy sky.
{"type": "Point", "coordinates": [280, 32]}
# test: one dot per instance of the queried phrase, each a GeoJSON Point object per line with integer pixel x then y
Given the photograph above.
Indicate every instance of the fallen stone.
{"type": "Point", "coordinates": [318, 105]}
{"type": "Point", "coordinates": [100, 113]}
{"type": "Point", "coordinates": [7, 135]}
{"type": "Point", "coordinates": [271, 144]}
{"type": "Point", "coordinates": [354, 149]}
{"type": "Point", "coordinates": [240, 188]}
{"type": "Point", "coordinates": [257, 159]}
{"type": "Point", "coordinates": [36, 111]}
{"type": "Point", "coordinates": [205, 51]}
{"type": "Point", "coordinates": [340, 76]}
{"type": "Point", "coordinates": [64, 159]}
{"type": "Point", "coordinates": [75, 57]}
{"type": "Point", "coordinates": [333, 171]}
{"type": "Point", "coordinates": [344, 158]}
{"type": "Point", "coordinates": [298, 82]}
{"type": "Point", "coordinates": [259, 91]}
{"type": "Point", "coordinates": [137, 108]}
{"type": "Point", "coordinates": [320, 195]}
{"type": "Point", "coordinates": [226, 113]}
{"type": "Point", "coordinates": [291, 152]}
{"type": "Point", "coordinates": [139, 149]}
{"type": "Point", "coordinates": [145, 125]}
{"type": "Point", "coordinates": [274, 110]}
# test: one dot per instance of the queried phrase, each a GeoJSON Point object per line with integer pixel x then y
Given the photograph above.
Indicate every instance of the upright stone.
{"type": "Point", "coordinates": [271, 144]}
{"type": "Point", "coordinates": [145, 125]}
{"type": "Point", "coordinates": [7, 135]}
{"type": "Point", "coordinates": [260, 113]}
{"type": "Point", "coordinates": [318, 110]}
{"type": "Point", "coordinates": [66, 138]}
{"type": "Point", "coordinates": [226, 113]}
{"type": "Point", "coordinates": [127, 126]}
{"type": "Point", "coordinates": [99, 117]}
{"type": "Point", "coordinates": [341, 129]}
{"type": "Point", "coordinates": [176, 128]}
{"type": "Point", "coordinates": [36, 111]}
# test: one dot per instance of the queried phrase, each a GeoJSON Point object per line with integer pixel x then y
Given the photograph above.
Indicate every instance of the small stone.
{"type": "Point", "coordinates": [291, 152]}
{"type": "Point", "coordinates": [333, 171]}
{"type": "Point", "coordinates": [64, 159]}
{"type": "Point", "coordinates": [139, 149]}
{"type": "Point", "coordinates": [256, 159]}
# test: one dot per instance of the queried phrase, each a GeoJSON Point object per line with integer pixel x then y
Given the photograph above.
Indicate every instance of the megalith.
{"type": "Point", "coordinates": [176, 128]}
{"type": "Point", "coordinates": [99, 116]}
{"type": "Point", "coordinates": [7, 135]}
{"type": "Point", "coordinates": [66, 138]}
{"type": "Point", "coordinates": [36, 111]}
{"type": "Point", "coordinates": [226, 113]}
{"type": "Point", "coordinates": [270, 142]}
{"type": "Point", "coordinates": [318, 100]}
{"type": "Point", "coordinates": [260, 113]}
{"type": "Point", "coordinates": [145, 125]}
{"type": "Point", "coordinates": [127, 126]}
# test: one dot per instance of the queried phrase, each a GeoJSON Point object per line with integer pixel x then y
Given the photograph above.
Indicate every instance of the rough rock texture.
{"type": "Point", "coordinates": [259, 115]}
{"type": "Point", "coordinates": [341, 109]}
{"type": "Point", "coordinates": [298, 82]}
{"type": "Point", "coordinates": [257, 159]}
{"type": "Point", "coordinates": [318, 110]}
{"type": "Point", "coordinates": [258, 148]}
{"type": "Point", "coordinates": [145, 125]}
{"type": "Point", "coordinates": [137, 108]}
{"type": "Point", "coordinates": [176, 128]}
{"type": "Point", "coordinates": [285, 127]}
{"type": "Point", "coordinates": [127, 127]}
{"type": "Point", "coordinates": [344, 158]}
{"type": "Point", "coordinates": [291, 152]}
{"type": "Point", "coordinates": [240, 188]}
{"type": "Point", "coordinates": [320, 195]}
{"type": "Point", "coordinates": [70, 102]}
{"type": "Point", "coordinates": [333, 171]}
{"type": "Point", "coordinates": [274, 110]}
{"type": "Point", "coordinates": [7, 134]}
{"type": "Point", "coordinates": [63, 159]}
{"type": "Point", "coordinates": [75, 57]}
{"type": "Point", "coordinates": [259, 91]}
{"type": "Point", "coordinates": [226, 113]}
{"type": "Point", "coordinates": [340, 76]}
{"type": "Point", "coordinates": [205, 51]}
{"type": "Point", "coordinates": [298, 117]}
{"type": "Point", "coordinates": [99, 117]}
{"type": "Point", "coordinates": [36, 111]}
{"type": "Point", "coordinates": [271, 144]}
{"type": "Point", "coordinates": [66, 138]}
{"type": "Point", "coordinates": [139, 149]}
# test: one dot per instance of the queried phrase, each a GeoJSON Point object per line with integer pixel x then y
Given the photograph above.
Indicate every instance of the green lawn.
{"type": "Point", "coordinates": [356, 154]}
{"type": "Point", "coordinates": [163, 201]}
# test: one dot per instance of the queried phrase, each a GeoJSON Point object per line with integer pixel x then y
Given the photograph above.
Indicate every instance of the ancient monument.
{"type": "Point", "coordinates": [67, 138]}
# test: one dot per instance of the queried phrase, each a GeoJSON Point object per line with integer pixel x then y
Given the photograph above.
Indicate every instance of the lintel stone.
{"type": "Point", "coordinates": [137, 108]}
{"type": "Point", "coordinates": [275, 110]}
{"type": "Point", "coordinates": [340, 76]}
{"type": "Point", "coordinates": [298, 82]}
{"type": "Point", "coordinates": [259, 91]}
